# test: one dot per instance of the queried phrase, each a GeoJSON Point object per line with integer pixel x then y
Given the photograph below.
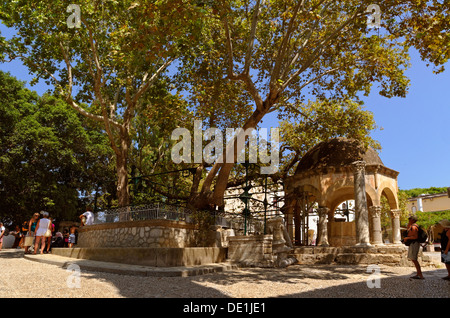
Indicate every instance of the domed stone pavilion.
{"type": "Point", "coordinates": [329, 174]}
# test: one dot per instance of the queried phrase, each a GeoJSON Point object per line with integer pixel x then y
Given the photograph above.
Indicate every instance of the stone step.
{"type": "Point", "coordinates": [369, 258]}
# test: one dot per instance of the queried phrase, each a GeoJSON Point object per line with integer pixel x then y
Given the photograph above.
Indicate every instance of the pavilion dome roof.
{"type": "Point", "coordinates": [337, 152]}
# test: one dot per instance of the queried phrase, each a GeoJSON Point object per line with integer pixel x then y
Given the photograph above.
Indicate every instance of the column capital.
{"type": "Point", "coordinates": [358, 166]}
{"type": "Point", "coordinates": [395, 214]}
{"type": "Point", "coordinates": [375, 211]}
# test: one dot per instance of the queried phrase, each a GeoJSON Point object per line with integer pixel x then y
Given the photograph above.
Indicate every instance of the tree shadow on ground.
{"type": "Point", "coordinates": [433, 286]}
{"type": "Point", "coordinates": [298, 281]}
{"type": "Point", "coordinates": [11, 253]}
{"type": "Point", "coordinates": [296, 274]}
{"type": "Point", "coordinates": [392, 285]}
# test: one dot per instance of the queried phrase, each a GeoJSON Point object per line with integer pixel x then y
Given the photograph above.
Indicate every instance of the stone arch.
{"type": "Point", "coordinates": [390, 196]}
{"type": "Point", "coordinates": [350, 196]}
{"type": "Point", "coordinates": [341, 193]}
{"type": "Point", "coordinates": [309, 189]}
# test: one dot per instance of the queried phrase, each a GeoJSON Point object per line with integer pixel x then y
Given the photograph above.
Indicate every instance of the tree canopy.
{"type": "Point", "coordinates": [103, 64]}
{"type": "Point", "coordinates": [227, 63]}
{"type": "Point", "coordinates": [51, 157]}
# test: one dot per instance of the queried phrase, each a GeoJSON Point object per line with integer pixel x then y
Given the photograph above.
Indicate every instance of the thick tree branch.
{"type": "Point", "coordinates": [319, 49]}
{"type": "Point", "coordinates": [283, 47]}
{"type": "Point", "coordinates": [251, 40]}
{"type": "Point", "coordinates": [230, 72]}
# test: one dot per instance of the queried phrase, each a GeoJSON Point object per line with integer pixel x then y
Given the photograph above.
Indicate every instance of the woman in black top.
{"type": "Point", "coordinates": [445, 246]}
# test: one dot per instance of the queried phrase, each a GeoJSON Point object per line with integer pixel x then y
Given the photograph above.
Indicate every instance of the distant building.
{"type": "Point", "coordinates": [429, 203]}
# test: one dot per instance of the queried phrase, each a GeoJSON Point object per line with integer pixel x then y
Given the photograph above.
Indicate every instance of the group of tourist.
{"type": "Point", "coordinates": [38, 234]}
{"type": "Point", "coordinates": [39, 230]}
{"type": "Point", "coordinates": [412, 240]}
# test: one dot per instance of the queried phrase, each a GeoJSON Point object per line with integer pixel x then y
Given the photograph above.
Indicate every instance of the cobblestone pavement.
{"type": "Point", "coordinates": [25, 278]}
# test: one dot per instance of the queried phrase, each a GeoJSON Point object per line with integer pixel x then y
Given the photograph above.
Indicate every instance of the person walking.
{"type": "Point", "coordinates": [414, 245]}
{"type": "Point", "coordinates": [43, 230]}
{"type": "Point", "coordinates": [445, 246]}
{"type": "Point", "coordinates": [30, 233]}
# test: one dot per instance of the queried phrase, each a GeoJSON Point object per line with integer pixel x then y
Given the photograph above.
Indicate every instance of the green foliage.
{"type": "Point", "coordinates": [320, 121]}
{"type": "Point", "coordinates": [413, 193]}
{"type": "Point", "coordinates": [104, 68]}
{"type": "Point", "coordinates": [427, 219]}
{"type": "Point", "coordinates": [386, 214]}
{"type": "Point", "coordinates": [238, 61]}
{"type": "Point", "coordinates": [50, 155]}
{"type": "Point", "coordinates": [425, 27]}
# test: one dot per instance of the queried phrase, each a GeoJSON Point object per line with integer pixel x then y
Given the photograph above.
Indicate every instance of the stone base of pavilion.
{"type": "Point", "coordinates": [391, 255]}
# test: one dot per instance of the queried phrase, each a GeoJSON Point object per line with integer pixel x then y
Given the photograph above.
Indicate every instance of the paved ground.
{"type": "Point", "coordinates": [21, 277]}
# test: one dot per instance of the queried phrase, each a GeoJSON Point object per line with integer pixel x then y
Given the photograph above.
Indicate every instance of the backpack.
{"type": "Point", "coordinates": [422, 236]}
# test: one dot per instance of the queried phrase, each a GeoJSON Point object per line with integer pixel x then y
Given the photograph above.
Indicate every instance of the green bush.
{"type": "Point", "coordinates": [427, 219]}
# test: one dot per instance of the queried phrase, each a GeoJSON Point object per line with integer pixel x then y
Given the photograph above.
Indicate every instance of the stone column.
{"type": "Point", "coordinates": [361, 211]}
{"type": "Point", "coordinates": [395, 216]}
{"type": "Point", "coordinates": [289, 213]}
{"type": "Point", "coordinates": [375, 213]}
{"type": "Point", "coordinates": [322, 233]}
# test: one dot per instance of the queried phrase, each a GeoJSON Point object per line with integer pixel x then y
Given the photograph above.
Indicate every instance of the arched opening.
{"type": "Point", "coordinates": [341, 221]}
{"type": "Point", "coordinates": [390, 197]}
{"type": "Point", "coordinates": [388, 202]}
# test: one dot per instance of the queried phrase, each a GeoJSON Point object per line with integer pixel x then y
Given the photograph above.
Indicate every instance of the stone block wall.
{"type": "Point", "coordinates": [391, 255]}
{"type": "Point", "coordinates": [159, 257]}
{"type": "Point", "coordinates": [149, 233]}
{"type": "Point", "coordinates": [341, 233]}
{"type": "Point", "coordinates": [251, 250]}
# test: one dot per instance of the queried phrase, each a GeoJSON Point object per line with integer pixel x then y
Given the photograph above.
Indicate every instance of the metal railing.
{"type": "Point", "coordinates": [252, 224]}
{"type": "Point", "coordinates": [156, 211]}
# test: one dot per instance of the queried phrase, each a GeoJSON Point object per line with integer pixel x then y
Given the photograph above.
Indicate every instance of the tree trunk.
{"type": "Point", "coordinates": [207, 198]}
{"type": "Point", "coordinates": [123, 193]}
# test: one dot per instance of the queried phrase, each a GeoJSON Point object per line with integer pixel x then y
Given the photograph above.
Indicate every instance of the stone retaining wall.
{"type": "Point", "coordinates": [158, 257]}
{"type": "Point", "coordinates": [148, 233]}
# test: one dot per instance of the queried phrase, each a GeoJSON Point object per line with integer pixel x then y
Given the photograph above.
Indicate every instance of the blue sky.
{"type": "Point", "coordinates": [416, 130]}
